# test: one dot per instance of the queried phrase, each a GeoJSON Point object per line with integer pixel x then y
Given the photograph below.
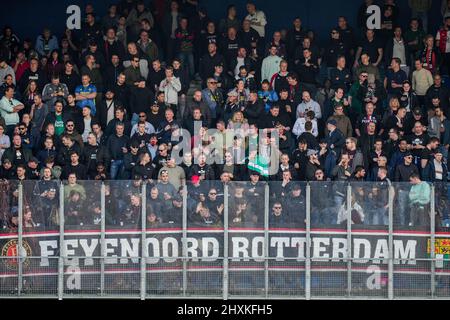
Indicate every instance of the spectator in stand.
{"type": "Point", "coordinates": [271, 64]}
{"type": "Point", "coordinates": [340, 76]}
{"type": "Point", "coordinates": [46, 43]}
{"type": "Point", "coordinates": [422, 80]}
{"type": "Point", "coordinates": [334, 138]}
{"type": "Point", "coordinates": [419, 201]}
{"type": "Point", "coordinates": [442, 93]}
{"type": "Point", "coordinates": [442, 44]}
{"type": "Point", "coordinates": [55, 90]}
{"type": "Point", "coordinates": [117, 145]}
{"type": "Point", "coordinates": [430, 55]}
{"type": "Point", "coordinates": [170, 86]}
{"type": "Point", "coordinates": [209, 61]}
{"type": "Point", "coordinates": [342, 121]}
{"type": "Point", "coordinates": [184, 45]}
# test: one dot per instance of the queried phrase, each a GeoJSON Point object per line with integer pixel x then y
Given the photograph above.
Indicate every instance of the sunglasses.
{"type": "Point", "coordinates": [142, 116]}
{"type": "Point", "coordinates": [212, 193]}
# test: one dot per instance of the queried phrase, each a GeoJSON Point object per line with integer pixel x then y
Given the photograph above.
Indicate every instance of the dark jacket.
{"type": "Point", "coordinates": [115, 144]}
{"type": "Point", "coordinates": [141, 99]}
{"type": "Point", "coordinates": [206, 112]}
{"type": "Point", "coordinates": [337, 139]}
{"type": "Point", "coordinates": [254, 111]}
{"type": "Point", "coordinates": [207, 63]}
{"type": "Point", "coordinates": [207, 170]}
{"type": "Point", "coordinates": [403, 172]}
{"type": "Point", "coordinates": [63, 156]}
{"type": "Point", "coordinates": [111, 127]}
{"type": "Point", "coordinates": [429, 172]}
{"type": "Point", "coordinates": [102, 111]}
{"type": "Point", "coordinates": [93, 155]}
{"type": "Point", "coordinates": [111, 73]}
{"type": "Point", "coordinates": [10, 154]}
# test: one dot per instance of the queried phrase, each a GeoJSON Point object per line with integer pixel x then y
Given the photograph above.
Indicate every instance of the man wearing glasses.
{"type": "Point", "coordinates": [213, 98]}
{"type": "Point", "coordinates": [148, 128]}
{"type": "Point", "coordinates": [9, 108]}
{"type": "Point", "coordinates": [354, 98]}
{"type": "Point", "coordinates": [133, 73]}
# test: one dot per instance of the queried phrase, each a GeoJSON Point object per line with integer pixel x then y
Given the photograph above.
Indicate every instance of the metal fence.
{"type": "Point", "coordinates": [125, 239]}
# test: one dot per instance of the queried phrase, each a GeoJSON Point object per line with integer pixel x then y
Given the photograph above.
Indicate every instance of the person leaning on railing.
{"type": "Point", "coordinates": [419, 197]}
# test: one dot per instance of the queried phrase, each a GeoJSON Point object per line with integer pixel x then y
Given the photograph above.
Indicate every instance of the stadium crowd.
{"type": "Point", "coordinates": [105, 103]}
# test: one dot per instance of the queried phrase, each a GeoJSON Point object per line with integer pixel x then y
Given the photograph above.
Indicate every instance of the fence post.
{"type": "Point", "coordinates": [433, 239]}
{"type": "Point", "coordinates": [62, 252]}
{"type": "Point", "coordinates": [20, 240]}
{"type": "Point", "coordinates": [308, 244]}
{"type": "Point", "coordinates": [143, 240]}
{"type": "Point", "coordinates": [349, 239]}
{"type": "Point", "coordinates": [102, 238]}
{"type": "Point", "coordinates": [266, 240]}
{"type": "Point", "coordinates": [225, 244]}
{"type": "Point", "coordinates": [184, 239]}
{"type": "Point", "coordinates": [391, 244]}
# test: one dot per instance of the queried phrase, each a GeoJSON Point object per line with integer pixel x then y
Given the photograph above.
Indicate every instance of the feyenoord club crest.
{"type": "Point", "coordinates": [10, 250]}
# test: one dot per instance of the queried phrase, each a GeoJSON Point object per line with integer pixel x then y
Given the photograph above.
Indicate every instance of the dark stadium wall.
{"type": "Point", "coordinates": [29, 17]}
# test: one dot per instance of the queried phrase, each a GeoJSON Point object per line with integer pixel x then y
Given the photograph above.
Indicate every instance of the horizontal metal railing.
{"type": "Point", "coordinates": [299, 259]}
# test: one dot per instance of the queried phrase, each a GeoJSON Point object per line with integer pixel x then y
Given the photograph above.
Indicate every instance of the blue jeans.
{"type": "Point", "coordinates": [116, 168]}
{"type": "Point", "coordinates": [377, 217]}
{"type": "Point", "coordinates": [322, 216]}
{"type": "Point", "coordinates": [402, 217]}
{"type": "Point", "coordinates": [187, 59]}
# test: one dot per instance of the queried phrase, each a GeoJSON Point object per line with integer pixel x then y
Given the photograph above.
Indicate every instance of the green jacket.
{"type": "Point", "coordinates": [420, 193]}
